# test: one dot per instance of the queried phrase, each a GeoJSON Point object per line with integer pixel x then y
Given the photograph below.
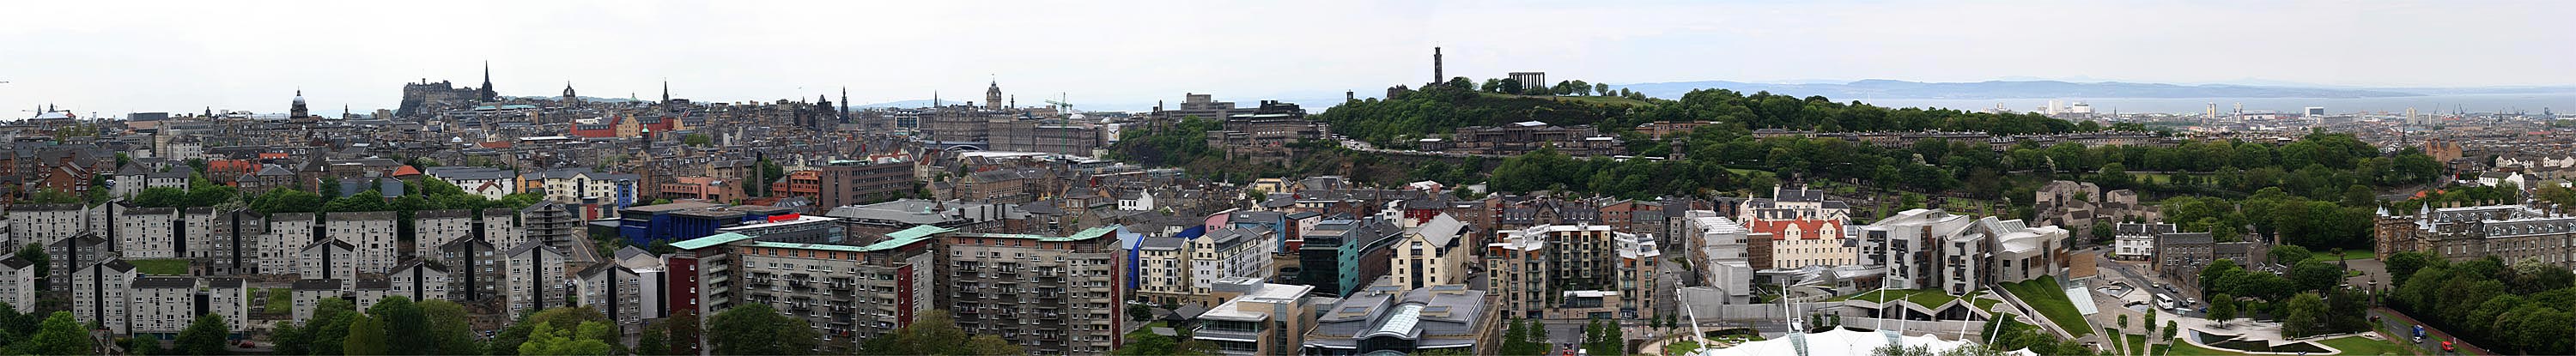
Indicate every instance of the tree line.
{"type": "Point", "coordinates": [2526, 307]}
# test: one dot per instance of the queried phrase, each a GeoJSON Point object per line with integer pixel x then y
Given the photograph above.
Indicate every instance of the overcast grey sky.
{"type": "Point", "coordinates": [182, 56]}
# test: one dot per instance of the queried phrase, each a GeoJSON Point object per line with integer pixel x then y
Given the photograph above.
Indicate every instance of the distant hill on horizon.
{"type": "Point", "coordinates": [2030, 89]}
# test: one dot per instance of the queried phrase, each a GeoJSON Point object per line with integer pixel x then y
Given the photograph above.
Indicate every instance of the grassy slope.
{"type": "Point", "coordinates": [2045, 295]}
{"type": "Point", "coordinates": [2356, 345]}
{"type": "Point", "coordinates": [161, 267]}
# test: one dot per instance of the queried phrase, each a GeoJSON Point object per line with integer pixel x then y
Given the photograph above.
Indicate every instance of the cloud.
{"type": "Point", "coordinates": [115, 57]}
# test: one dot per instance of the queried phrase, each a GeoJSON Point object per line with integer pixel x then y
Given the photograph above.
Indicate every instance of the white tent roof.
{"type": "Point", "coordinates": [1838, 342]}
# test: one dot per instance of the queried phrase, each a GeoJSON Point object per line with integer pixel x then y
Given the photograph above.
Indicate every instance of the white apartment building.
{"type": "Point", "coordinates": [1225, 253]}
{"type": "Point", "coordinates": [281, 251]}
{"type": "Point", "coordinates": [328, 259]}
{"type": "Point", "coordinates": [535, 279]}
{"type": "Point", "coordinates": [1162, 272]}
{"type": "Point", "coordinates": [370, 234]}
{"type": "Point", "coordinates": [1932, 249]}
{"type": "Point", "coordinates": [102, 292]}
{"type": "Point", "coordinates": [1431, 254]}
{"type": "Point", "coordinates": [491, 183]}
{"type": "Point", "coordinates": [163, 305]}
{"type": "Point", "coordinates": [2137, 241]}
{"type": "Point", "coordinates": [309, 293]}
{"type": "Point", "coordinates": [433, 228]}
{"type": "Point", "coordinates": [18, 281]}
{"type": "Point", "coordinates": [419, 281]}
{"type": "Point", "coordinates": [45, 223]}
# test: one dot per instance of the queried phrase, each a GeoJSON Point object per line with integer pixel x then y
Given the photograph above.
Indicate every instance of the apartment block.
{"type": "Point", "coordinates": [162, 305]}
{"type": "Point", "coordinates": [309, 293]}
{"type": "Point", "coordinates": [370, 235]}
{"type": "Point", "coordinates": [1050, 294]}
{"type": "Point", "coordinates": [71, 255]}
{"type": "Point", "coordinates": [148, 233]}
{"type": "Point", "coordinates": [628, 289]}
{"type": "Point", "coordinates": [1573, 272]}
{"type": "Point", "coordinates": [46, 223]}
{"type": "Point", "coordinates": [102, 292]}
{"type": "Point", "coordinates": [18, 281]}
{"type": "Point", "coordinates": [474, 269]}
{"type": "Point", "coordinates": [846, 291]}
{"type": "Point", "coordinates": [238, 235]}
{"type": "Point", "coordinates": [1432, 254]}
{"type": "Point", "coordinates": [703, 273]}
{"type": "Point", "coordinates": [1162, 272]}
{"type": "Point", "coordinates": [534, 278]}
{"type": "Point", "coordinates": [419, 280]}
{"type": "Point", "coordinates": [328, 259]}
{"type": "Point", "coordinates": [281, 250]}
{"type": "Point", "coordinates": [433, 228]}
{"type": "Point", "coordinates": [1226, 253]}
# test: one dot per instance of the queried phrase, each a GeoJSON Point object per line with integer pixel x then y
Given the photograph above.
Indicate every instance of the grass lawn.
{"type": "Point", "coordinates": [161, 267]}
{"type": "Point", "coordinates": [281, 301]}
{"type": "Point", "coordinates": [2347, 255]}
{"type": "Point", "coordinates": [1680, 347]}
{"type": "Point", "coordinates": [2138, 344]}
{"type": "Point", "coordinates": [2356, 345]}
{"type": "Point", "coordinates": [1985, 303]}
{"type": "Point", "coordinates": [2045, 295]}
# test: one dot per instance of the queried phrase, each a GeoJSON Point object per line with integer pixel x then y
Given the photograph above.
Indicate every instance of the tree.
{"type": "Point", "coordinates": [2312, 275]}
{"type": "Point", "coordinates": [1139, 312]}
{"type": "Point", "coordinates": [1601, 88]}
{"type": "Point", "coordinates": [448, 328]}
{"type": "Point", "coordinates": [685, 332]}
{"type": "Point", "coordinates": [2150, 323]}
{"type": "Point", "coordinates": [545, 339]}
{"type": "Point", "coordinates": [205, 336]}
{"type": "Point", "coordinates": [400, 317]}
{"type": "Point", "coordinates": [2303, 315]}
{"type": "Point", "coordinates": [656, 339]}
{"type": "Point", "coordinates": [2222, 307]}
{"type": "Point", "coordinates": [1154, 345]}
{"type": "Point", "coordinates": [1516, 339]}
{"type": "Point", "coordinates": [327, 332]}
{"type": "Point", "coordinates": [2104, 232]}
{"type": "Point", "coordinates": [756, 329]}
{"type": "Point", "coordinates": [367, 336]}
{"type": "Point", "coordinates": [59, 335]}
{"type": "Point", "coordinates": [288, 339]}
{"type": "Point", "coordinates": [34, 253]}
{"type": "Point", "coordinates": [935, 333]}
{"type": "Point", "coordinates": [2124, 322]}
{"type": "Point", "coordinates": [2170, 327]}
{"type": "Point", "coordinates": [1607, 339]}
{"type": "Point", "coordinates": [563, 318]}
{"type": "Point", "coordinates": [2288, 255]}
{"type": "Point", "coordinates": [2404, 264]}
{"type": "Point", "coordinates": [696, 139]}
{"type": "Point", "coordinates": [1511, 86]}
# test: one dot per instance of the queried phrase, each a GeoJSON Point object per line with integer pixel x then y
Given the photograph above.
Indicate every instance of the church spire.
{"type": "Point", "coordinates": [487, 93]}
{"type": "Point", "coordinates": [666, 90]}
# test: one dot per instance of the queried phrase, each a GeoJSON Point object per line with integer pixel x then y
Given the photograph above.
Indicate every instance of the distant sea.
{"type": "Point", "coordinates": [2562, 103]}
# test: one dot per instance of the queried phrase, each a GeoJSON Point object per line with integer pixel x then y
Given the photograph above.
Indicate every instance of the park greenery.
{"type": "Point", "coordinates": [2525, 307]}
{"type": "Point", "coordinates": [2308, 300]}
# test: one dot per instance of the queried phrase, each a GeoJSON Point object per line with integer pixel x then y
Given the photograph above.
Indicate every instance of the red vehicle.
{"type": "Point", "coordinates": [2446, 345]}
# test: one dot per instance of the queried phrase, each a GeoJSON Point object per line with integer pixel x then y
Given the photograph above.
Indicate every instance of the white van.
{"type": "Point", "coordinates": [2164, 301]}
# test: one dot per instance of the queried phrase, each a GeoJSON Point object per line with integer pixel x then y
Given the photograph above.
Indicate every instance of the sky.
{"type": "Point", "coordinates": [114, 57]}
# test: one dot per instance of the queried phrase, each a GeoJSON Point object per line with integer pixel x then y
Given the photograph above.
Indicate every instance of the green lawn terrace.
{"type": "Point", "coordinates": [2045, 295]}
{"type": "Point", "coordinates": [1924, 303]}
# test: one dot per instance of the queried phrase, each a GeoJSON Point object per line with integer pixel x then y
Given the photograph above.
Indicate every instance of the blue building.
{"type": "Point", "coordinates": [682, 221]}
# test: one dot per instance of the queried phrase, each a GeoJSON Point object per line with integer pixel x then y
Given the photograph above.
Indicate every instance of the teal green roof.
{"type": "Point", "coordinates": [1086, 234]}
{"type": "Point", "coordinates": [822, 247]}
{"type": "Point", "coordinates": [703, 242]}
{"type": "Point", "coordinates": [906, 237]}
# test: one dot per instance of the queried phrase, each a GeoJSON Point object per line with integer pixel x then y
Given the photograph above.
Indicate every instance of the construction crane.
{"type": "Point", "coordinates": [1061, 105]}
